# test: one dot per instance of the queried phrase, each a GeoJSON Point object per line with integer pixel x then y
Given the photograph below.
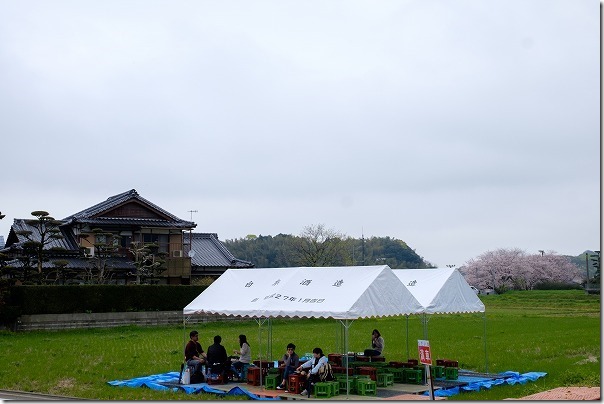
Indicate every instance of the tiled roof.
{"type": "Point", "coordinates": [88, 215]}
{"type": "Point", "coordinates": [211, 252]}
{"type": "Point", "coordinates": [78, 263]}
{"type": "Point", "coordinates": [67, 242]}
{"type": "Point", "coordinates": [135, 221]}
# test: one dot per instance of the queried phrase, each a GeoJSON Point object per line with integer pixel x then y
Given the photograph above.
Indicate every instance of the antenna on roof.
{"type": "Point", "coordinates": [191, 252]}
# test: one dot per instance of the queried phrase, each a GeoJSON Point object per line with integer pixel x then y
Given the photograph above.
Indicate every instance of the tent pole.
{"type": "Point", "coordinates": [184, 338]}
{"type": "Point", "coordinates": [270, 339]}
{"type": "Point", "coordinates": [259, 321]}
{"type": "Point", "coordinates": [425, 323]}
{"type": "Point", "coordinates": [346, 324]}
{"type": "Point", "coordinates": [407, 315]}
{"type": "Point", "coordinates": [346, 350]}
{"type": "Point", "coordinates": [486, 357]}
{"type": "Point", "coordinates": [339, 337]}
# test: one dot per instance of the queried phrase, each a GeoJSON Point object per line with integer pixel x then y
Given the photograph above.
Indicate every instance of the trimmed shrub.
{"type": "Point", "coordinates": [101, 298]}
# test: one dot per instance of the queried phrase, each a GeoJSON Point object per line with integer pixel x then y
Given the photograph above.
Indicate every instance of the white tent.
{"type": "Point", "coordinates": [317, 292]}
{"type": "Point", "coordinates": [342, 293]}
{"type": "Point", "coordinates": [239, 292]}
{"type": "Point", "coordinates": [441, 291]}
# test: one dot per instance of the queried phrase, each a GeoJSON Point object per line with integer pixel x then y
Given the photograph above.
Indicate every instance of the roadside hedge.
{"type": "Point", "coordinates": [100, 298]}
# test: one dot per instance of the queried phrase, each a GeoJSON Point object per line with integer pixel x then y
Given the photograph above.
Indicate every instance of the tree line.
{"type": "Point", "coordinates": [318, 246]}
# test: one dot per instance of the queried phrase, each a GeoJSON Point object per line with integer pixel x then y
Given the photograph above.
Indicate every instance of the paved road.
{"type": "Point", "coordinates": [25, 396]}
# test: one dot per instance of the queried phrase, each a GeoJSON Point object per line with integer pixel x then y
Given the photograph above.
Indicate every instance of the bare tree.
{"type": "Point", "coordinates": [60, 274]}
{"type": "Point", "coordinates": [317, 246]}
{"type": "Point", "coordinates": [105, 247]}
{"type": "Point", "coordinates": [148, 262]}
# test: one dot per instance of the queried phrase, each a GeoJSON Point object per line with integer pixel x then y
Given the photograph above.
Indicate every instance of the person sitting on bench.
{"type": "Point", "coordinates": [377, 344]}
{"type": "Point", "coordinates": [218, 361]}
{"type": "Point", "coordinates": [292, 361]}
{"type": "Point", "coordinates": [245, 357]}
{"type": "Point", "coordinates": [194, 354]}
{"type": "Point", "coordinates": [319, 359]}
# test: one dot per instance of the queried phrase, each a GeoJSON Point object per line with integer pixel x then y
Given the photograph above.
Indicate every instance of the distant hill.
{"type": "Point", "coordinates": [582, 261]}
{"type": "Point", "coordinates": [282, 251]}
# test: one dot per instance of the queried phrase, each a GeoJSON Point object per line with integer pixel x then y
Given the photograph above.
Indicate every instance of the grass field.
{"type": "Point", "coordinates": [557, 332]}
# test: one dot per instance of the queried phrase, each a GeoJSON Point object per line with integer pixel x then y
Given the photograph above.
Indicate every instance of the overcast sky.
{"type": "Point", "coordinates": [456, 126]}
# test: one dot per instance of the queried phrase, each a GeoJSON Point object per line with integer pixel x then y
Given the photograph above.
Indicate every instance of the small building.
{"type": "Point", "coordinates": [128, 218]}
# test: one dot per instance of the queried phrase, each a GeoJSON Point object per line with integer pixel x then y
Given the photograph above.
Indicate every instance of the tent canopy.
{"type": "Point", "coordinates": [440, 290]}
{"type": "Point", "coordinates": [314, 292]}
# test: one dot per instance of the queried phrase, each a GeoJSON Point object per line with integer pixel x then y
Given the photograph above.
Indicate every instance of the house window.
{"type": "Point", "coordinates": [126, 241]}
{"type": "Point", "coordinates": [162, 240]}
{"type": "Point", "coordinates": [100, 239]}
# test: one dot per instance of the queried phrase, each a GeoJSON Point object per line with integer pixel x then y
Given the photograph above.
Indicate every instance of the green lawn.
{"type": "Point", "coordinates": [557, 332]}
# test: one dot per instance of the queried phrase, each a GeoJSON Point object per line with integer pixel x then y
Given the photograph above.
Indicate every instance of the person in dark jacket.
{"type": "Point", "coordinates": [217, 358]}
{"type": "Point", "coordinates": [194, 354]}
{"type": "Point", "coordinates": [292, 361]}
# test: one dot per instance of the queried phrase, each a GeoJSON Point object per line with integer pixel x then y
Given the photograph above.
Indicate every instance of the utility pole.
{"type": "Point", "coordinates": [587, 270]}
{"type": "Point", "coordinates": [363, 244]}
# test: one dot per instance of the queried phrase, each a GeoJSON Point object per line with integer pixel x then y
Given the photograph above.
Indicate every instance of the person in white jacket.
{"type": "Point", "coordinates": [314, 364]}
{"type": "Point", "coordinates": [245, 357]}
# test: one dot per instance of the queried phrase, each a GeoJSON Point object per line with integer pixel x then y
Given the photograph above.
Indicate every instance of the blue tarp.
{"type": "Point", "coordinates": [159, 381]}
{"type": "Point", "coordinates": [475, 383]}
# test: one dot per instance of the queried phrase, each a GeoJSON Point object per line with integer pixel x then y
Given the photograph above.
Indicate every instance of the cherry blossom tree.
{"type": "Point", "coordinates": [507, 269]}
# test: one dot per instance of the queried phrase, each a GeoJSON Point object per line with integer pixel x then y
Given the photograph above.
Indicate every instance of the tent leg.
{"type": "Point", "coordinates": [269, 341]}
{"type": "Point", "coordinates": [346, 324]}
{"type": "Point", "coordinates": [259, 320]}
{"type": "Point", "coordinates": [407, 336]}
{"type": "Point", "coordinates": [425, 323]}
{"type": "Point", "coordinates": [486, 357]}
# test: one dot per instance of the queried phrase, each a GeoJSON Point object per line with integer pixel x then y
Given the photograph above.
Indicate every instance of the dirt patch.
{"type": "Point", "coordinates": [65, 384]}
{"type": "Point", "coordinates": [589, 359]}
{"type": "Point", "coordinates": [566, 393]}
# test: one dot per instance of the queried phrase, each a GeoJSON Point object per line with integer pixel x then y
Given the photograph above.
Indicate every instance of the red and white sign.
{"type": "Point", "coordinates": [423, 347]}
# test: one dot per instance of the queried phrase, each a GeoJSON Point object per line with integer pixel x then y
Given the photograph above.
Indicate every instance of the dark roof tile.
{"type": "Point", "coordinates": [211, 252]}
{"type": "Point", "coordinates": [87, 214]}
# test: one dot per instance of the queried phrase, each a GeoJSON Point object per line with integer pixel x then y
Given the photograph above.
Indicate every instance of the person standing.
{"type": "Point", "coordinates": [217, 357]}
{"type": "Point", "coordinates": [245, 356]}
{"type": "Point", "coordinates": [377, 344]}
{"type": "Point", "coordinates": [194, 354]}
{"type": "Point", "coordinates": [292, 361]}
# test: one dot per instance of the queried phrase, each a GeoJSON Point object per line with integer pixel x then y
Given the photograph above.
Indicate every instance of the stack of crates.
{"type": "Point", "coordinates": [438, 372]}
{"type": "Point", "coordinates": [398, 374]}
{"type": "Point", "coordinates": [413, 376]}
{"type": "Point", "coordinates": [384, 378]}
{"type": "Point", "coordinates": [366, 386]}
{"type": "Point", "coordinates": [451, 368]}
{"type": "Point", "coordinates": [322, 389]}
